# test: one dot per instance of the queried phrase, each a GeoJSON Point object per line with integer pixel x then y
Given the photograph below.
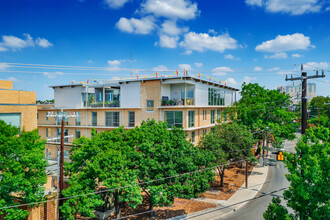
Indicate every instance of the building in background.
{"type": "Point", "coordinates": [295, 91]}
{"type": "Point", "coordinates": [183, 101]}
{"type": "Point", "coordinates": [17, 107]}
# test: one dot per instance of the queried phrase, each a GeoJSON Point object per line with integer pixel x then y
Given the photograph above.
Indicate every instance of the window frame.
{"type": "Point", "coordinates": [131, 123]}
{"type": "Point", "coordinates": [153, 105]}
{"type": "Point", "coordinates": [94, 123]}
{"type": "Point", "coordinates": [76, 133]}
{"type": "Point", "coordinates": [212, 112]}
{"type": "Point", "coordinates": [174, 116]}
{"type": "Point", "coordinates": [191, 119]}
{"type": "Point", "coordinates": [110, 122]}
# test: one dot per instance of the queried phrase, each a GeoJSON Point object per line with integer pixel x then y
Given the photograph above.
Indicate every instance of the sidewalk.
{"type": "Point", "coordinates": [256, 180]}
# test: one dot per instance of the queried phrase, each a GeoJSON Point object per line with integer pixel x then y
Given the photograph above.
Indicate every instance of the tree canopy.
{"type": "Point", "coordinates": [22, 169]}
{"type": "Point", "coordinates": [308, 194]}
{"type": "Point", "coordinates": [260, 108]}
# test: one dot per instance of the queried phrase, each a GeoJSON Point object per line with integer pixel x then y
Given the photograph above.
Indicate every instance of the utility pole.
{"type": "Point", "coordinates": [61, 160]}
{"type": "Point", "coordinates": [304, 78]}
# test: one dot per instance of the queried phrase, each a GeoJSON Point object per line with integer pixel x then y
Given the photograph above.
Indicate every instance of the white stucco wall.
{"type": "Point", "coordinates": [68, 97]}
{"type": "Point", "coordinates": [130, 94]}
{"type": "Point", "coordinates": [166, 90]}
{"type": "Point", "coordinates": [201, 94]}
{"type": "Point", "coordinates": [228, 97]}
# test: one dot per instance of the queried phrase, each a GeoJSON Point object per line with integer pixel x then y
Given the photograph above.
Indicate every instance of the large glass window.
{"type": "Point", "coordinates": [191, 119]}
{"type": "Point", "coordinates": [192, 137]}
{"type": "Point", "coordinates": [66, 154]}
{"type": "Point", "coordinates": [94, 118]}
{"type": "Point", "coordinates": [218, 115]}
{"type": "Point", "coordinates": [216, 96]}
{"type": "Point", "coordinates": [150, 105]}
{"type": "Point", "coordinates": [90, 99]}
{"type": "Point", "coordinates": [131, 119]}
{"type": "Point", "coordinates": [204, 115]}
{"type": "Point", "coordinates": [212, 116]}
{"type": "Point", "coordinates": [173, 118]}
{"type": "Point", "coordinates": [112, 119]}
{"type": "Point", "coordinates": [11, 118]}
{"type": "Point", "coordinates": [78, 119]}
{"type": "Point", "coordinates": [77, 133]}
{"type": "Point", "coordinates": [59, 119]}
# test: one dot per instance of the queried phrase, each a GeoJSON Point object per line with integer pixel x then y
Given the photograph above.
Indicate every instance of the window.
{"type": "Point", "coordinates": [212, 116]}
{"type": "Point", "coordinates": [47, 118]}
{"type": "Point", "coordinates": [59, 119]}
{"type": "Point", "coordinates": [191, 119]}
{"type": "Point", "coordinates": [78, 119]}
{"type": "Point", "coordinates": [11, 118]}
{"type": "Point", "coordinates": [131, 119]}
{"type": "Point", "coordinates": [77, 133]}
{"type": "Point", "coordinates": [173, 118]}
{"type": "Point", "coordinates": [66, 133]}
{"type": "Point", "coordinates": [66, 154]}
{"type": "Point", "coordinates": [48, 154]}
{"type": "Point", "coordinates": [216, 96]}
{"type": "Point", "coordinates": [204, 115]}
{"type": "Point", "coordinates": [218, 115]}
{"type": "Point", "coordinates": [224, 116]}
{"type": "Point", "coordinates": [94, 118]}
{"type": "Point", "coordinates": [47, 132]}
{"type": "Point", "coordinates": [204, 131]}
{"type": "Point", "coordinates": [150, 105]}
{"type": "Point", "coordinates": [112, 119]}
{"type": "Point", "coordinates": [192, 137]}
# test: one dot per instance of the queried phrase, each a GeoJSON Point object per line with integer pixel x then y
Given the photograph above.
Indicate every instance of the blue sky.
{"type": "Point", "coordinates": [229, 40]}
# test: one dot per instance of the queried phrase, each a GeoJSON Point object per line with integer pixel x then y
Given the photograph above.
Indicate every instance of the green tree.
{"type": "Point", "coordinates": [22, 169]}
{"type": "Point", "coordinates": [228, 142]}
{"type": "Point", "coordinates": [261, 108]}
{"type": "Point", "coordinates": [309, 194]}
{"type": "Point", "coordinates": [319, 102]}
{"type": "Point", "coordinates": [103, 160]}
{"type": "Point", "coordinates": [163, 155]}
{"type": "Point", "coordinates": [276, 211]}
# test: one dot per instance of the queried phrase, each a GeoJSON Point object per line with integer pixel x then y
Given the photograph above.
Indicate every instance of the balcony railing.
{"type": "Point", "coordinates": [106, 104]}
{"type": "Point", "coordinates": [178, 102]}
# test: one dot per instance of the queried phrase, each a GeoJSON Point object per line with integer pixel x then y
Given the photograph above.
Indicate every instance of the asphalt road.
{"type": "Point", "coordinates": [274, 186]}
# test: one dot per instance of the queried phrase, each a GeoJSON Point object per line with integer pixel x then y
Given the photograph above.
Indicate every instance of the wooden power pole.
{"type": "Point", "coordinates": [304, 78]}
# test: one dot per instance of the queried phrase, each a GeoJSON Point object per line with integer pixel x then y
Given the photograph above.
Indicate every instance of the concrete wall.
{"type": "Point", "coordinates": [166, 90]}
{"type": "Point", "coordinates": [130, 94]}
{"type": "Point", "coordinates": [68, 97]}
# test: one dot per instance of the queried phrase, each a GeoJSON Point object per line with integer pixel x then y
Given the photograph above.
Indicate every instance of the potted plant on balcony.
{"type": "Point", "coordinates": [164, 102]}
{"type": "Point", "coordinates": [172, 102]}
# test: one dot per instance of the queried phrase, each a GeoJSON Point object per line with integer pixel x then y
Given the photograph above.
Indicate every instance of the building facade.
{"type": "Point", "coordinates": [295, 91]}
{"type": "Point", "coordinates": [17, 107]}
{"type": "Point", "coordinates": [188, 102]}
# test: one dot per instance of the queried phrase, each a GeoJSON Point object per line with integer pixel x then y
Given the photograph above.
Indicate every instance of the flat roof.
{"type": "Point", "coordinates": [117, 82]}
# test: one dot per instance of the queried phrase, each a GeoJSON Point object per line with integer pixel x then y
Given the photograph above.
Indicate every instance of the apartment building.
{"type": "Point", "coordinates": [17, 107]}
{"type": "Point", "coordinates": [294, 91]}
{"type": "Point", "coordinates": [183, 101]}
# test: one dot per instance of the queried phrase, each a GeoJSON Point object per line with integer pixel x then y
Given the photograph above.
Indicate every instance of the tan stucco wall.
{"type": "Point", "coordinates": [4, 84]}
{"type": "Point", "coordinates": [17, 97]}
{"type": "Point", "coordinates": [28, 115]}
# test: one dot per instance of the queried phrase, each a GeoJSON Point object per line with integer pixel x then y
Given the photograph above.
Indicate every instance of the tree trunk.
{"type": "Point", "coordinates": [117, 205]}
{"type": "Point", "coordinates": [151, 209]}
{"type": "Point", "coordinates": [221, 175]}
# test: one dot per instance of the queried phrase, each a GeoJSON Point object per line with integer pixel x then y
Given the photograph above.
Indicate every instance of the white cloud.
{"type": "Point", "coordinates": [137, 26]}
{"type": "Point", "coordinates": [202, 42]}
{"type": "Point", "coordinates": [293, 7]}
{"type": "Point", "coordinates": [3, 66]}
{"type": "Point", "coordinates": [315, 65]}
{"type": "Point", "coordinates": [168, 41]}
{"type": "Point", "coordinates": [283, 72]}
{"type": "Point", "coordinates": [274, 68]}
{"type": "Point", "coordinates": [15, 43]}
{"type": "Point", "coordinates": [296, 55]}
{"type": "Point", "coordinates": [13, 79]}
{"type": "Point", "coordinates": [277, 56]}
{"type": "Point", "coordinates": [169, 27]}
{"type": "Point", "coordinates": [159, 68]}
{"type": "Point", "coordinates": [52, 75]}
{"type": "Point", "coordinates": [114, 62]}
{"type": "Point", "coordinates": [229, 57]}
{"type": "Point", "coordinates": [188, 52]}
{"type": "Point", "coordinates": [284, 43]}
{"type": "Point", "coordinates": [115, 4]}
{"type": "Point", "coordinates": [221, 71]}
{"type": "Point", "coordinates": [327, 9]}
{"type": "Point", "coordinates": [257, 68]}
{"type": "Point", "coordinates": [173, 9]}
{"type": "Point", "coordinates": [184, 66]}
{"type": "Point", "coordinates": [248, 79]}
{"type": "Point", "coordinates": [90, 61]}
{"type": "Point", "coordinates": [231, 81]}
{"type": "Point", "coordinates": [254, 2]}
{"type": "Point", "coordinates": [42, 42]}
{"type": "Point", "coordinates": [198, 64]}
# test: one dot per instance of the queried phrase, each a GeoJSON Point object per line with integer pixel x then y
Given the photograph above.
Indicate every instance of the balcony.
{"type": "Point", "coordinates": [107, 104]}
{"type": "Point", "coordinates": [177, 102]}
